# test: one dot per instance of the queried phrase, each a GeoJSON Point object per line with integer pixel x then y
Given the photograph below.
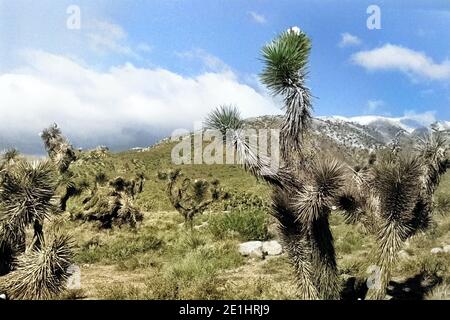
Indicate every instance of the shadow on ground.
{"type": "Point", "coordinates": [414, 288]}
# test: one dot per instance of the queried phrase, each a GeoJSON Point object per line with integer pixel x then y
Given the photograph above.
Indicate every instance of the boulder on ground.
{"type": "Point", "coordinates": [251, 248]}
{"type": "Point", "coordinates": [260, 249]}
{"type": "Point", "coordinates": [272, 248]}
{"type": "Point", "coordinates": [436, 250]}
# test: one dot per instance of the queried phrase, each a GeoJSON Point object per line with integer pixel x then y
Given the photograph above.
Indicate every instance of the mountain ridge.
{"type": "Point", "coordinates": [363, 132]}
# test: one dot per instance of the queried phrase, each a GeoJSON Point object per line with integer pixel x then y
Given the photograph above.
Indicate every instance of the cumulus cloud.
{"type": "Point", "coordinates": [122, 107]}
{"type": "Point", "coordinates": [257, 17]}
{"type": "Point", "coordinates": [348, 39]}
{"type": "Point", "coordinates": [413, 63]}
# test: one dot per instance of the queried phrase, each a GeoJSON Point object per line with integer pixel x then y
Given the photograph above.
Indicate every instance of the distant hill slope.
{"type": "Point", "coordinates": [364, 132]}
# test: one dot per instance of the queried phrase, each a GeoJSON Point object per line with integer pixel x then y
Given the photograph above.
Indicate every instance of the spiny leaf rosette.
{"type": "Point", "coordinates": [391, 196]}
{"type": "Point", "coordinates": [34, 269]}
{"type": "Point", "coordinates": [41, 273]}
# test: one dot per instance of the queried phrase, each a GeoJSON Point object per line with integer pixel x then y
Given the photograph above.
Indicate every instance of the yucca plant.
{"type": "Point", "coordinates": [190, 197]}
{"type": "Point", "coordinates": [10, 156]}
{"type": "Point", "coordinates": [41, 273]}
{"type": "Point", "coordinates": [111, 204]}
{"type": "Point", "coordinates": [395, 195]}
{"type": "Point", "coordinates": [304, 191]}
{"type": "Point", "coordinates": [59, 149]}
{"type": "Point", "coordinates": [62, 154]}
{"type": "Point", "coordinates": [30, 269]}
{"type": "Point", "coordinates": [285, 72]}
{"type": "Point", "coordinates": [224, 118]}
{"type": "Point", "coordinates": [391, 197]}
{"type": "Point", "coordinates": [27, 194]}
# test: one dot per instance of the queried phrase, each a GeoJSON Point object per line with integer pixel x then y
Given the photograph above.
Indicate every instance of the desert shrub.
{"type": "Point", "coordinates": [122, 248]}
{"type": "Point", "coordinates": [442, 204]}
{"type": "Point", "coordinates": [249, 224]}
{"type": "Point", "coordinates": [244, 201]}
{"type": "Point", "coordinates": [350, 242]}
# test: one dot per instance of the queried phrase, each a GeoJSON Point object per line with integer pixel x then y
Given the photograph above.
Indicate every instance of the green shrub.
{"type": "Point", "coordinates": [244, 201]}
{"type": "Point", "coordinates": [442, 204]}
{"type": "Point", "coordinates": [119, 250]}
{"type": "Point", "coordinates": [249, 224]}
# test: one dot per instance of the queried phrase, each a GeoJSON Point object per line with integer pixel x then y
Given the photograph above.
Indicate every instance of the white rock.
{"type": "Point", "coordinates": [447, 248]}
{"type": "Point", "coordinates": [272, 248]}
{"type": "Point", "coordinates": [3, 296]}
{"type": "Point", "coordinates": [251, 248]}
{"type": "Point", "coordinates": [437, 250]}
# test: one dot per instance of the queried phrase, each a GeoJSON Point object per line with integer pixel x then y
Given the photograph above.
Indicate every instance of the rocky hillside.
{"type": "Point", "coordinates": [365, 132]}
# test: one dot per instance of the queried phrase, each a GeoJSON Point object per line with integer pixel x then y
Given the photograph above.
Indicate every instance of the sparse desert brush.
{"type": "Point", "coordinates": [250, 224]}
{"type": "Point", "coordinates": [244, 201]}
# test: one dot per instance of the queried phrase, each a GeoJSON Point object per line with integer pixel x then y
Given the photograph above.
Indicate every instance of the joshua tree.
{"type": "Point", "coordinates": [58, 148]}
{"type": "Point", "coordinates": [392, 197]}
{"type": "Point", "coordinates": [10, 156]}
{"type": "Point", "coordinates": [27, 192]}
{"type": "Point", "coordinates": [112, 203]}
{"type": "Point", "coordinates": [395, 195]}
{"type": "Point", "coordinates": [303, 193]}
{"type": "Point", "coordinates": [188, 197]}
{"type": "Point", "coordinates": [63, 155]}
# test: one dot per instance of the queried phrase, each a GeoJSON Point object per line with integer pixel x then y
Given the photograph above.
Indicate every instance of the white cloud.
{"type": "Point", "coordinates": [348, 39]}
{"type": "Point", "coordinates": [143, 47]}
{"type": "Point", "coordinates": [105, 37]}
{"type": "Point", "coordinates": [426, 118]}
{"type": "Point", "coordinates": [258, 18]}
{"type": "Point", "coordinates": [121, 107]}
{"type": "Point", "coordinates": [373, 105]}
{"type": "Point", "coordinates": [208, 60]}
{"type": "Point", "coordinates": [413, 63]}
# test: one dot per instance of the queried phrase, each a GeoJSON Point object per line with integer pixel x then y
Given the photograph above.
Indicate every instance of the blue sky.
{"type": "Point", "coordinates": [184, 57]}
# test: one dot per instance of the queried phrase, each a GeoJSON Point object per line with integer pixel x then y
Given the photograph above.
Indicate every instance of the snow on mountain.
{"type": "Point", "coordinates": [368, 132]}
{"type": "Point", "coordinates": [404, 123]}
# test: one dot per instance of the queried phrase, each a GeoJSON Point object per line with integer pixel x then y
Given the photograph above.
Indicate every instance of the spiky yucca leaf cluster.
{"type": "Point", "coordinates": [286, 60]}
{"type": "Point", "coordinates": [26, 196]}
{"type": "Point", "coordinates": [303, 209]}
{"type": "Point", "coordinates": [326, 179]}
{"type": "Point", "coordinates": [27, 191]}
{"type": "Point", "coordinates": [285, 71]}
{"type": "Point", "coordinates": [224, 118]}
{"type": "Point", "coordinates": [9, 156]}
{"type": "Point", "coordinates": [58, 148]}
{"type": "Point", "coordinates": [41, 273]}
